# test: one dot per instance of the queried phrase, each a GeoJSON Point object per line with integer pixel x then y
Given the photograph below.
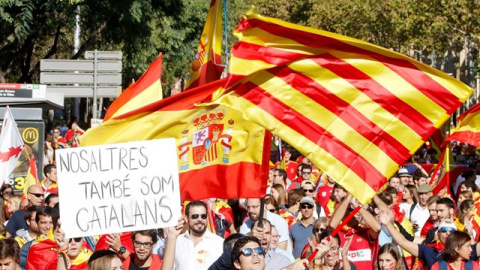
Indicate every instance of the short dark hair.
{"type": "Point", "coordinates": [294, 196]}
{"type": "Point", "coordinates": [282, 173]}
{"type": "Point", "coordinates": [230, 240]}
{"type": "Point", "coordinates": [455, 240]}
{"type": "Point", "coordinates": [43, 211]}
{"type": "Point", "coordinates": [194, 203]}
{"type": "Point", "coordinates": [237, 247]}
{"type": "Point", "coordinates": [446, 201]}
{"type": "Point", "coordinates": [50, 197]}
{"type": "Point", "coordinates": [27, 215]}
{"type": "Point", "coordinates": [152, 233]}
{"type": "Point", "coordinates": [48, 169]}
{"type": "Point", "coordinates": [307, 166]}
{"type": "Point", "coordinates": [9, 249]}
{"type": "Point", "coordinates": [326, 233]}
{"type": "Point", "coordinates": [254, 223]}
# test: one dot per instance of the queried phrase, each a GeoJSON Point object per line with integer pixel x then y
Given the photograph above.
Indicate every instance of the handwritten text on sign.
{"type": "Point", "coordinates": [118, 187]}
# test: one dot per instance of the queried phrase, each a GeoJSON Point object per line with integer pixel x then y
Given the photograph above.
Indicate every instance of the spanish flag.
{"type": "Point", "coordinates": [440, 179]}
{"type": "Point", "coordinates": [356, 110]}
{"type": "Point", "coordinates": [468, 129]}
{"type": "Point", "coordinates": [146, 90]}
{"type": "Point", "coordinates": [31, 179]}
{"type": "Point", "coordinates": [219, 153]}
{"type": "Point", "coordinates": [207, 61]}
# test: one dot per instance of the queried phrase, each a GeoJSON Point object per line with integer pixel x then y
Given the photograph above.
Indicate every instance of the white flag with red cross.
{"type": "Point", "coordinates": [11, 145]}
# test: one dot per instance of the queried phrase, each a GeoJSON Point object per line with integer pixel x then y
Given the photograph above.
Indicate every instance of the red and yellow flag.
{"type": "Point", "coordinates": [356, 110]}
{"type": "Point", "coordinates": [468, 129]}
{"type": "Point", "coordinates": [32, 177]}
{"type": "Point", "coordinates": [440, 179]}
{"type": "Point", "coordinates": [146, 90]}
{"type": "Point", "coordinates": [219, 153]}
{"type": "Point", "coordinates": [207, 61]}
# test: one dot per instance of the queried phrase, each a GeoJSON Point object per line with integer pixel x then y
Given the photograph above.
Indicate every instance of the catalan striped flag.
{"type": "Point", "coordinates": [146, 90]}
{"type": "Point", "coordinates": [241, 148]}
{"type": "Point", "coordinates": [356, 110]}
{"type": "Point", "coordinates": [207, 61]}
{"type": "Point", "coordinates": [468, 129]}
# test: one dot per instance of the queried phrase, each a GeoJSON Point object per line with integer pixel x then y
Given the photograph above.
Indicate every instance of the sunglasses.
{"type": "Point", "coordinates": [247, 252]}
{"type": "Point", "coordinates": [308, 190]}
{"type": "Point", "coordinates": [444, 230]}
{"type": "Point", "coordinates": [76, 239]}
{"type": "Point", "coordinates": [38, 195]}
{"type": "Point", "coordinates": [196, 216]}
{"type": "Point", "coordinates": [306, 172]}
{"type": "Point", "coordinates": [305, 206]}
{"type": "Point", "coordinates": [317, 230]}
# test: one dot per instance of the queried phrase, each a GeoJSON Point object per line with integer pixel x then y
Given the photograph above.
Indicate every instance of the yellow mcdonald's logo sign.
{"type": "Point", "coordinates": [30, 135]}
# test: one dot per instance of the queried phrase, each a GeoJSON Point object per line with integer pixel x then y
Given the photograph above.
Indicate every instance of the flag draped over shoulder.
{"type": "Point", "coordinates": [206, 66]}
{"type": "Point", "coordinates": [356, 110]}
{"type": "Point", "coordinates": [219, 153]}
{"type": "Point", "coordinates": [144, 91]}
{"type": "Point", "coordinates": [468, 129]}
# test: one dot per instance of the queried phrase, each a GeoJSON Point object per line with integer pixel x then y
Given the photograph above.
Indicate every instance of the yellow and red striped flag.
{"type": "Point", "coordinates": [219, 153]}
{"type": "Point", "coordinates": [356, 110]}
{"type": "Point", "coordinates": [468, 129]}
{"type": "Point", "coordinates": [32, 177]}
{"type": "Point", "coordinates": [440, 179]}
{"type": "Point", "coordinates": [146, 90]}
{"type": "Point", "coordinates": [207, 61]}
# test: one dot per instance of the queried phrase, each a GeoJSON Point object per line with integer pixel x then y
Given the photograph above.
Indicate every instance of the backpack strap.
{"type": "Point", "coordinates": [24, 254]}
{"type": "Point", "coordinates": [411, 211]}
{"type": "Point", "coordinates": [442, 265]}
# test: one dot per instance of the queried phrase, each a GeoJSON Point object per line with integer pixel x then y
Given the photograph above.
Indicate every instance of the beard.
{"type": "Point", "coordinates": [200, 231]}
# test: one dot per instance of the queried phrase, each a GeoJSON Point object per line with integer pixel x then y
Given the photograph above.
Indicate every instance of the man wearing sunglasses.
{"type": "Point", "coordinates": [197, 248]}
{"type": "Point", "coordinates": [445, 209]}
{"type": "Point", "coordinates": [247, 253]}
{"type": "Point", "coordinates": [427, 253]}
{"type": "Point", "coordinates": [273, 260]}
{"type": "Point", "coordinates": [301, 231]}
{"type": "Point", "coordinates": [35, 197]}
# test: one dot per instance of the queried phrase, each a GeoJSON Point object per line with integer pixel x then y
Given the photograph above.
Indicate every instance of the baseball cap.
{"type": "Point", "coordinates": [448, 223]}
{"type": "Point", "coordinates": [308, 200]}
{"type": "Point", "coordinates": [307, 182]}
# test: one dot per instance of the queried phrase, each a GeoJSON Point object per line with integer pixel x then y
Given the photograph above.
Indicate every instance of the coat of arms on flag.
{"type": "Point", "coordinates": [212, 135]}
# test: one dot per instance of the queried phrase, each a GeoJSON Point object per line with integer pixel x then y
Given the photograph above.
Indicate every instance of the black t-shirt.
{"type": "Point", "coordinates": [133, 266]}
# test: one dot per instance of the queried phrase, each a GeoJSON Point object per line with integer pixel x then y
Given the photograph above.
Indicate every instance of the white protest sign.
{"type": "Point", "coordinates": [118, 187]}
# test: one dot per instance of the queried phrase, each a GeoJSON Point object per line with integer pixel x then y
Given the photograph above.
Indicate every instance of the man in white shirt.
{"type": "Point", "coordinates": [197, 248]}
{"type": "Point", "coordinates": [420, 213]}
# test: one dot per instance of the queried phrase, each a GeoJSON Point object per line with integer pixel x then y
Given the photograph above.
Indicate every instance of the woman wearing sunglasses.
{"type": "Point", "coordinates": [330, 258]}
{"type": "Point", "coordinates": [72, 255]}
{"type": "Point", "coordinates": [456, 254]}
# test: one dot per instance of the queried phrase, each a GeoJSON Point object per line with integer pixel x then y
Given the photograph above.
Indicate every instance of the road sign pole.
{"type": "Point", "coordinates": [95, 67]}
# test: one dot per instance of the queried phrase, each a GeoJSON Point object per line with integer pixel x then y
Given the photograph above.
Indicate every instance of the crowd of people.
{"type": "Point", "coordinates": [405, 226]}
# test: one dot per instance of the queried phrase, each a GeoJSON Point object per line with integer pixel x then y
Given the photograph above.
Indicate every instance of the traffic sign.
{"type": "Point", "coordinates": [86, 91]}
{"type": "Point", "coordinates": [80, 65]}
{"type": "Point", "coordinates": [80, 78]}
{"type": "Point", "coordinates": [101, 55]}
{"type": "Point", "coordinates": [16, 90]}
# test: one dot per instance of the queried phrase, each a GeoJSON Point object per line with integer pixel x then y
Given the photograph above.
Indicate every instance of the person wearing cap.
{"type": "Point", "coordinates": [427, 253]}
{"type": "Point", "coordinates": [419, 213]}
{"type": "Point", "coordinates": [405, 176]}
{"type": "Point", "coordinates": [301, 230]}
{"type": "Point", "coordinates": [445, 208]}
{"type": "Point", "coordinates": [308, 188]}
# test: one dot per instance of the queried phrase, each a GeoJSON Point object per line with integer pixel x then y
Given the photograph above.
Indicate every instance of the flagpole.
{"type": "Point", "coordinates": [225, 33]}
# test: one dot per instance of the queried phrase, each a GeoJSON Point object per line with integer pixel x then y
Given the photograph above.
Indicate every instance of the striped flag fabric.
{"type": "Point", "coordinates": [468, 129]}
{"type": "Point", "coordinates": [207, 62]}
{"type": "Point", "coordinates": [440, 179]}
{"type": "Point", "coordinates": [146, 90]}
{"type": "Point", "coordinates": [356, 110]}
{"type": "Point", "coordinates": [220, 154]}
{"type": "Point", "coordinates": [11, 145]}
